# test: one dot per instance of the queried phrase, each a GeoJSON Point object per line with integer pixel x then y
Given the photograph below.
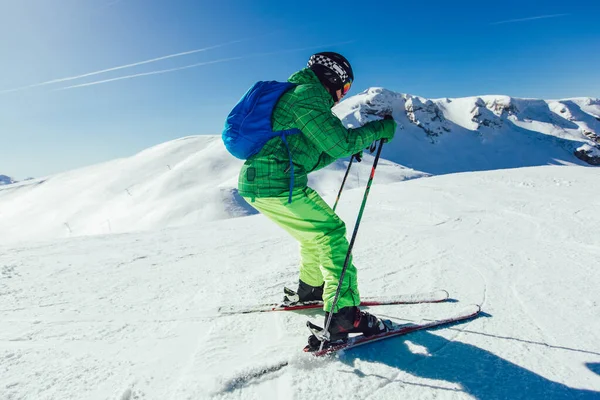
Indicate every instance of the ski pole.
{"type": "Point", "coordinates": [360, 213]}
{"type": "Point", "coordinates": [343, 183]}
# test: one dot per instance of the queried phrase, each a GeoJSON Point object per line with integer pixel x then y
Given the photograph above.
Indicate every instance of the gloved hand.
{"type": "Point", "coordinates": [388, 134]}
{"type": "Point", "coordinates": [358, 156]}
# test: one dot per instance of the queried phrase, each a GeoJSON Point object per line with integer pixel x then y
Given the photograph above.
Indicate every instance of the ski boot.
{"type": "Point", "coordinates": [353, 320]}
{"type": "Point", "coordinates": [348, 320]}
{"type": "Point", "coordinates": [304, 294]}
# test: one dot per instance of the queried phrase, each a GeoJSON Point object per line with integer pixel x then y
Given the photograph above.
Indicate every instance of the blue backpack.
{"type": "Point", "coordinates": [248, 126]}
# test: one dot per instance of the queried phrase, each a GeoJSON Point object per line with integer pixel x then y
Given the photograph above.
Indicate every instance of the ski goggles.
{"type": "Point", "coordinates": [346, 87]}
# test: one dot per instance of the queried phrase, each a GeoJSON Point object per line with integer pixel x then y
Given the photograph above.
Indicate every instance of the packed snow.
{"type": "Point", "coordinates": [111, 276]}
{"type": "Point", "coordinates": [134, 316]}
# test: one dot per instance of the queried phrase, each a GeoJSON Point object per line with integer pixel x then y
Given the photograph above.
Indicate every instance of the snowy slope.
{"type": "Point", "coordinates": [133, 316]}
{"type": "Point", "coordinates": [194, 179]}
{"type": "Point", "coordinates": [184, 181]}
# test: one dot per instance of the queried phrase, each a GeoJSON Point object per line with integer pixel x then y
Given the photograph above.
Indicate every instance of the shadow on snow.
{"type": "Point", "coordinates": [478, 372]}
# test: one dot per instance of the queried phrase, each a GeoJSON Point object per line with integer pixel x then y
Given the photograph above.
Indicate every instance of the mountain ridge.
{"type": "Point", "coordinates": [193, 179]}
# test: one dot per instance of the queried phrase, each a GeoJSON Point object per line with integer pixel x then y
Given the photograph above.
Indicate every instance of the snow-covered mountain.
{"type": "Point", "coordinates": [481, 133]}
{"type": "Point", "coordinates": [6, 180]}
{"type": "Point", "coordinates": [134, 316]}
{"type": "Point", "coordinates": [194, 179]}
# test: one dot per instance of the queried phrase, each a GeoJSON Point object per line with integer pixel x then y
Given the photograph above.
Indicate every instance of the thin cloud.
{"type": "Point", "coordinates": [164, 71]}
{"type": "Point", "coordinates": [529, 19]}
{"type": "Point", "coordinates": [122, 67]}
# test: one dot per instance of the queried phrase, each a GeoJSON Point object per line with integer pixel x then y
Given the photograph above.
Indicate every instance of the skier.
{"type": "Point", "coordinates": [274, 181]}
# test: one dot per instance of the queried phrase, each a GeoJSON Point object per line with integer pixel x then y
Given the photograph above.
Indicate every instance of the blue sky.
{"type": "Point", "coordinates": [435, 49]}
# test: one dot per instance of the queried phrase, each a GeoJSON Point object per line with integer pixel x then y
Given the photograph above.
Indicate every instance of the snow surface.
{"type": "Point", "coordinates": [189, 180]}
{"type": "Point", "coordinates": [133, 316]}
{"type": "Point", "coordinates": [111, 275]}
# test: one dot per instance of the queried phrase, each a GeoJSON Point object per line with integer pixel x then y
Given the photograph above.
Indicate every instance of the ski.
{"type": "Point", "coordinates": [436, 296]}
{"type": "Point", "coordinates": [467, 313]}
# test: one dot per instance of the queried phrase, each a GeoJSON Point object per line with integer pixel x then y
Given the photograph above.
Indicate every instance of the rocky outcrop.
{"type": "Point", "coordinates": [6, 180]}
{"type": "Point", "coordinates": [589, 154]}
{"type": "Point", "coordinates": [483, 116]}
{"type": "Point", "coordinates": [427, 116]}
{"type": "Point", "coordinates": [502, 106]}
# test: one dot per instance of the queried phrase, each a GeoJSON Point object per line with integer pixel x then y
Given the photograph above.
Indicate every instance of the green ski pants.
{"type": "Point", "coordinates": [323, 244]}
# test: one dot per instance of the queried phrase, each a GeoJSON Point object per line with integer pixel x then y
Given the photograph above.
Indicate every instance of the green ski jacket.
{"type": "Point", "coordinates": [323, 140]}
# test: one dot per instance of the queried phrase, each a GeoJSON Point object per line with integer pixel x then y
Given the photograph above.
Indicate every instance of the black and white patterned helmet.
{"type": "Point", "coordinates": [333, 67]}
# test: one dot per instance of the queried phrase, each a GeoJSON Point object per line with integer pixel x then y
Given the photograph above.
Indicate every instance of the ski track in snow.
{"type": "Point", "coordinates": [458, 330]}
{"type": "Point", "coordinates": [133, 316]}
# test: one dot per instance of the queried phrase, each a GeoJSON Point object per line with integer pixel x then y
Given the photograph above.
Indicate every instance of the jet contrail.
{"type": "Point", "coordinates": [122, 67]}
{"type": "Point", "coordinates": [150, 73]}
{"type": "Point", "coordinates": [163, 71]}
{"type": "Point", "coordinates": [528, 19]}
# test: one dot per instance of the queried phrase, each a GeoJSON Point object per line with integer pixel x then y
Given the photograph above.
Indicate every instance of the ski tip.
{"type": "Point", "coordinates": [468, 312]}
{"type": "Point", "coordinates": [472, 309]}
{"type": "Point", "coordinates": [440, 295]}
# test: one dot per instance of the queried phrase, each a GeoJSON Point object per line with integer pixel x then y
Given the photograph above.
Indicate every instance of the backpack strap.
{"type": "Point", "coordinates": [283, 134]}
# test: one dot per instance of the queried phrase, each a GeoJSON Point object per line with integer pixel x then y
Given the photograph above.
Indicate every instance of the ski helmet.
{"type": "Point", "coordinates": [333, 70]}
